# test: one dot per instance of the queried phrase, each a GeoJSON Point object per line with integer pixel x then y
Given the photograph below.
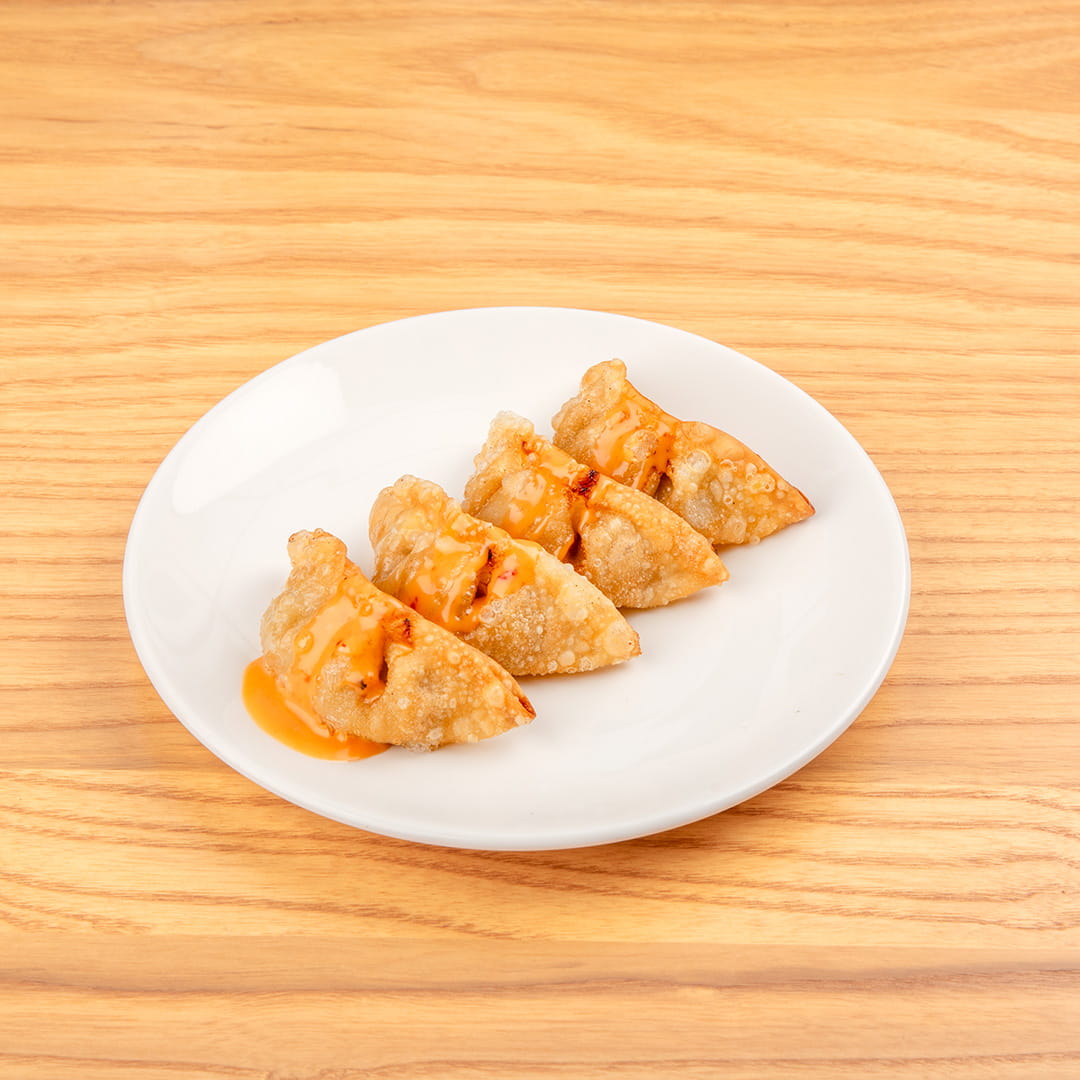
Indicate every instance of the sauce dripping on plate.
{"type": "Point", "coordinates": [353, 625]}
{"type": "Point", "coordinates": [268, 708]}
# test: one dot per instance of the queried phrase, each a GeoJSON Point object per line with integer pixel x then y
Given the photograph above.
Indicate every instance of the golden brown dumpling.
{"type": "Point", "coordinates": [721, 487]}
{"type": "Point", "coordinates": [509, 598]}
{"type": "Point", "coordinates": [637, 552]}
{"type": "Point", "coordinates": [346, 655]}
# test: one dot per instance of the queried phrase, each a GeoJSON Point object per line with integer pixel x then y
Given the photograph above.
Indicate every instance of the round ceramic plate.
{"type": "Point", "coordinates": [736, 688]}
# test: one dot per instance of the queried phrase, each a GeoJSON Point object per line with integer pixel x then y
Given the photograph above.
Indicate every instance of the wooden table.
{"type": "Point", "coordinates": [879, 201]}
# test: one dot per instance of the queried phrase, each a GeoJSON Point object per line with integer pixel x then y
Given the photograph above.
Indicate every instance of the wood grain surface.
{"type": "Point", "coordinates": [879, 201]}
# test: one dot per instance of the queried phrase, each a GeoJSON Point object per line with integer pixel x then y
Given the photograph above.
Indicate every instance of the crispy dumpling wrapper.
{"type": "Point", "coordinates": [347, 656]}
{"type": "Point", "coordinates": [635, 551]}
{"type": "Point", "coordinates": [509, 598]}
{"type": "Point", "coordinates": [719, 485]}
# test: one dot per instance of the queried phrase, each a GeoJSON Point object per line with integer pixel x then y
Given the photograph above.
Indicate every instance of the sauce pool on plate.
{"type": "Point", "coordinates": [269, 709]}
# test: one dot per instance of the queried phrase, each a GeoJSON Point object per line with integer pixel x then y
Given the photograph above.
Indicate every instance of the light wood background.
{"type": "Point", "coordinates": [878, 200]}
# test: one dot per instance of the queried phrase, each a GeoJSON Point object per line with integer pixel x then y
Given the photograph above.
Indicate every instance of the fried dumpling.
{"type": "Point", "coordinates": [509, 598]}
{"type": "Point", "coordinates": [635, 551]}
{"type": "Point", "coordinates": [347, 656]}
{"type": "Point", "coordinates": [721, 487]}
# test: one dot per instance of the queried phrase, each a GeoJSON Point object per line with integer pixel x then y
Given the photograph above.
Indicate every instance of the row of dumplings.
{"type": "Point", "coordinates": [623, 508]}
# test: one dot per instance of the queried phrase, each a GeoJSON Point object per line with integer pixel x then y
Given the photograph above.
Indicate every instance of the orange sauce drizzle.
{"type": "Point", "coordinates": [613, 454]}
{"type": "Point", "coordinates": [556, 482]}
{"type": "Point", "coordinates": [355, 623]}
{"type": "Point", "coordinates": [268, 708]}
{"type": "Point", "coordinates": [458, 574]}
{"type": "Point", "coordinates": [534, 505]}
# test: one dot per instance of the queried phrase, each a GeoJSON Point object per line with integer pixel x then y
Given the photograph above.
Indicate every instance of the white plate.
{"type": "Point", "coordinates": [736, 688]}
